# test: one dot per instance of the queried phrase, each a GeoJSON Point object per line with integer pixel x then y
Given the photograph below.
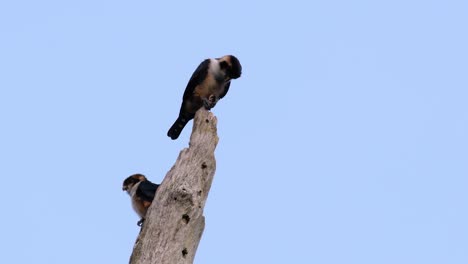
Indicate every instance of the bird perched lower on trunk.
{"type": "Point", "coordinates": [141, 192]}
{"type": "Point", "coordinates": [209, 83]}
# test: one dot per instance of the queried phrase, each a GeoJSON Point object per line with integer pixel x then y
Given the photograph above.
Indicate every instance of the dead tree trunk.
{"type": "Point", "coordinates": [174, 223]}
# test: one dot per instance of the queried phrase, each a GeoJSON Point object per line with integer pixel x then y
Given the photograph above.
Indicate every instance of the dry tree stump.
{"type": "Point", "coordinates": [174, 222]}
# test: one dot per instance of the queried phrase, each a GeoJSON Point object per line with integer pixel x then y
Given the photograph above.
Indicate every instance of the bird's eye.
{"type": "Point", "coordinates": [223, 65]}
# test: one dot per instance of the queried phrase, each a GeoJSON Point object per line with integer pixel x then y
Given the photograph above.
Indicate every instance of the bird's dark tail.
{"type": "Point", "coordinates": [177, 127]}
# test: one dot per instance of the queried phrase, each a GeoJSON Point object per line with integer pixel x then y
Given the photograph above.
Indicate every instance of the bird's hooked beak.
{"type": "Point", "coordinates": [124, 188]}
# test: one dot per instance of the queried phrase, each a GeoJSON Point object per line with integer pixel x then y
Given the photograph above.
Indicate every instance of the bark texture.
{"type": "Point", "coordinates": [174, 222]}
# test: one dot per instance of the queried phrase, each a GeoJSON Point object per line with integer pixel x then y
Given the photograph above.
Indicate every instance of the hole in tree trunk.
{"type": "Point", "coordinates": [186, 218]}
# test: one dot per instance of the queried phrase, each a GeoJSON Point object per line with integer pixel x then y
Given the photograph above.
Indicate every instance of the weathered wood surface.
{"type": "Point", "coordinates": [175, 222]}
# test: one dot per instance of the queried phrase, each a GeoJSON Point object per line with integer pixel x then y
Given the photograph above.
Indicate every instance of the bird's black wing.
{"type": "Point", "coordinates": [197, 77]}
{"type": "Point", "coordinates": [226, 89]}
{"type": "Point", "coordinates": [147, 190]}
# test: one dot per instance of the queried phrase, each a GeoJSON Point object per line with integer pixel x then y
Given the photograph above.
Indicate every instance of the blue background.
{"type": "Point", "coordinates": [345, 140]}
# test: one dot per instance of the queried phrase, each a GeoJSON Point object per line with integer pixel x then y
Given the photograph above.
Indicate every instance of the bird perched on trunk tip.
{"type": "Point", "coordinates": [141, 192]}
{"type": "Point", "coordinates": [209, 83]}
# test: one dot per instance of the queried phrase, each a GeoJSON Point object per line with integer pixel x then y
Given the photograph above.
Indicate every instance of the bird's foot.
{"type": "Point", "coordinates": [209, 102]}
{"type": "Point", "coordinates": [140, 223]}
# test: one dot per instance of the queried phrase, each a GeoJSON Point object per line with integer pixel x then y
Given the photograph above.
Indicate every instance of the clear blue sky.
{"type": "Point", "coordinates": [345, 140]}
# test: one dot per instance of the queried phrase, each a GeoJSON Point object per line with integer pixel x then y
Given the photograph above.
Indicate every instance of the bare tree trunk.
{"type": "Point", "coordinates": [174, 223]}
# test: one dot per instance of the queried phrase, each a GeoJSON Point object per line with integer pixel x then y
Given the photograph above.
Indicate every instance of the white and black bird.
{"type": "Point", "coordinates": [141, 192]}
{"type": "Point", "coordinates": [209, 83]}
